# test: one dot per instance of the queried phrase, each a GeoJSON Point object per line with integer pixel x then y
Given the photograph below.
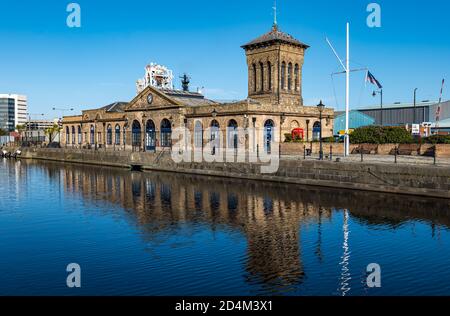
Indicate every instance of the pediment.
{"type": "Point", "coordinates": [151, 98]}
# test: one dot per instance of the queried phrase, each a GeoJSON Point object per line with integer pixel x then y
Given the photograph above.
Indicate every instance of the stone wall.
{"type": "Point", "coordinates": [390, 178]}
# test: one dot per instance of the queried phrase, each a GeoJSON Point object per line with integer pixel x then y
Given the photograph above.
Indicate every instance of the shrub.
{"type": "Point", "coordinates": [438, 139]}
{"type": "Point", "coordinates": [288, 138]}
{"type": "Point", "coordinates": [381, 135]}
{"type": "Point", "coordinates": [298, 139]}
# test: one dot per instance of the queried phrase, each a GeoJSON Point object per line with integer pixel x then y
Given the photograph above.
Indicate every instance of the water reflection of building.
{"type": "Point", "coordinates": [270, 216]}
{"type": "Point", "coordinates": [269, 219]}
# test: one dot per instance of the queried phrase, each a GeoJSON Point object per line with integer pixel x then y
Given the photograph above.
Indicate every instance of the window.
{"type": "Point", "coordinates": [117, 135]}
{"type": "Point", "coordinates": [297, 78]}
{"type": "Point", "coordinates": [269, 76]}
{"type": "Point", "coordinates": [268, 136]}
{"type": "Point", "coordinates": [290, 77]}
{"type": "Point", "coordinates": [198, 135]}
{"type": "Point", "coordinates": [254, 77]}
{"type": "Point", "coordinates": [109, 135]}
{"type": "Point", "coordinates": [283, 75]}
{"type": "Point", "coordinates": [215, 137]}
{"type": "Point", "coordinates": [80, 136]}
{"type": "Point", "coordinates": [73, 135]}
{"type": "Point", "coordinates": [136, 134]}
{"type": "Point", "coordinates": [261, 66]}
{"type": "Point", "coordinates": [67, 135]}
{"type": "Point", "coordinates": [232, 134]}
{"type": "Point", "coordinates": [166, 133]}
{"type": "Point", "coordinates": [150, 135]}
{"type": "Point", "coordinates": [92, 135]}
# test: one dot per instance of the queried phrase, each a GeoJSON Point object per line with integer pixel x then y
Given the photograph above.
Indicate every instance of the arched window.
{"type": "Point", "coordinates": [92, 135]}
{"type": "Point", "coordinates": [166, 133]}
{"type": "Point", "coordinates": [67, 135]}
{"type": "Point", "coordinates": [73, 135]}
{"type": "Point", "coordinates": [117, 135]}
{"type": "Point", "coordinates": [283, 75]}
{"type": "Point", "coordinates": [109, 135]}
{"type": "Point", "coordinates": [198, 135]}
{"type": "Point", "coordinates": [232, 134]}
{"type": "Point", "coordinates": [136, 134]}
{"type": "Point", "coordinates": [261, 67]}
{"type": "Point", "coordinates": [268, 135]}
{"type": "Point", "coordinates": [297, 77]}
{"type": "Point", "coordinates": [254, 77]}
{"type": "Point", "coordinates": [150, 135]}
{"type": "Point", "coordinates": [215, 136]}
{"type": "Point", "coordinates": [290, 77]}
{"type": "Point", "coordinates": [80, 136]}
{"type": "Point", "coordinates": [316, 131]}
{"type": "Point", "coordinates": [269, 76]}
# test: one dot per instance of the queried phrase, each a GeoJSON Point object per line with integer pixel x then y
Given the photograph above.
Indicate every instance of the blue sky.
{"type": "Point", "coordinates": [100, 62]}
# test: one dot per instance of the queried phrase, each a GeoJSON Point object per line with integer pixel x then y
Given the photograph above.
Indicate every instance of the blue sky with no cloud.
{"type": "Point", "coordinates": [100, 62]}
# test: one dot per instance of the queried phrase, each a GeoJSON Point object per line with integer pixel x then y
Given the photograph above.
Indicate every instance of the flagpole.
{"type": "Point", "coordinates": [347, 96]}
{"type": "Point", "coordinates": [438, 112]}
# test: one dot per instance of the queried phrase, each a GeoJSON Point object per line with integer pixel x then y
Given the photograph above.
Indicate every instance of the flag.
{"type": "Point", "coordinates": [370, 78]}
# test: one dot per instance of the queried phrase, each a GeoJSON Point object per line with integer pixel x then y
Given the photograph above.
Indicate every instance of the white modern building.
{"type": "Point", "coordinates": [13, 111]}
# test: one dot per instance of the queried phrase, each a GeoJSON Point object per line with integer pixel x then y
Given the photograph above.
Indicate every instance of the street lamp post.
{"type": "Point", "coordinates": [62, 115]}
{"type": "Point", "coordinates": [62, 110]}
{"type": "Point", "coordinates": [29, 129]}
{"type": "Point", "coordinates": [320, 107]}
{"type": "Point", "coordinates": [380, 92]}
{"type": "Point", "coordinates": [307, 130]}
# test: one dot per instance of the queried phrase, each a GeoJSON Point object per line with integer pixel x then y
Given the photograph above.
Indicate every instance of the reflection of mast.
{"type": "Point", "coordinates": [319, 237]}
{"type": "Point", "coordinates": [345, 271]}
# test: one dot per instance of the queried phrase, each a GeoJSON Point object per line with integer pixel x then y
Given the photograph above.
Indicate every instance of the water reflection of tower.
{"type": "Point", "coordinates": [273, 244]}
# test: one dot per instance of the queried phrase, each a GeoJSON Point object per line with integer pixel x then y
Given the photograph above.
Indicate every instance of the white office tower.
{"type": "Point", "coordinates": [13, 111]}
{"type": "Point", "coordinates": [157, 76]}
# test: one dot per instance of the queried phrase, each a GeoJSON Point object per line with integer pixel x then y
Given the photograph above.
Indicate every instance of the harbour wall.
{"type": "Point", "coordinates": [431, 181]}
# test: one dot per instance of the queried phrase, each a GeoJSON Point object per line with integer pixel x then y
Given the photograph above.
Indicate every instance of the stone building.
{"type": "Point", "coordinates": [274, 108]}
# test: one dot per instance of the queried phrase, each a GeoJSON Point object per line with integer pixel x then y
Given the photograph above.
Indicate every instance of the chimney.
{"type": "Point", "coordinates": [185, 82]}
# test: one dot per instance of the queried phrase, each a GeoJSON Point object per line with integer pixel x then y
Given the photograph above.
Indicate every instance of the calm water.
{"type": "Point", "coordinates": [167, 234]}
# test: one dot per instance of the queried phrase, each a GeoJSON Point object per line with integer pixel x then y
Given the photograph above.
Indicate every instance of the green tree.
{"type": "Point", "coordinates": [21, 127]}
{"type": "Point", "coordinates": [51, 132]}
{"type": "Point", "coordinates": [3, 132]}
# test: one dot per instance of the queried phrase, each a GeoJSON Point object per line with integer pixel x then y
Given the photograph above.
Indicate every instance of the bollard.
{"type": "Point", "coordinates": [362, 156]}
{"type": "Point", "coordinates": [331, 152]}
{"type": "Point", "coordinates": [304, 152]}
{"type": "Point", "coordinates": [395, 154]}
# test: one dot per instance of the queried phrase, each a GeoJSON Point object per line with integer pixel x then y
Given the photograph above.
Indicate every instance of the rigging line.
{"type": "Point", "coordinates": [334, 91]}
{"type": "Point", "coordinates": [351, 70]}
{"type": "Point", "coordinates": [361, 92]}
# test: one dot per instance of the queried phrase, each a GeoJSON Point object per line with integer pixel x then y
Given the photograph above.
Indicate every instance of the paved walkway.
{"type": "Point", "coordinates": [410, 160]}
